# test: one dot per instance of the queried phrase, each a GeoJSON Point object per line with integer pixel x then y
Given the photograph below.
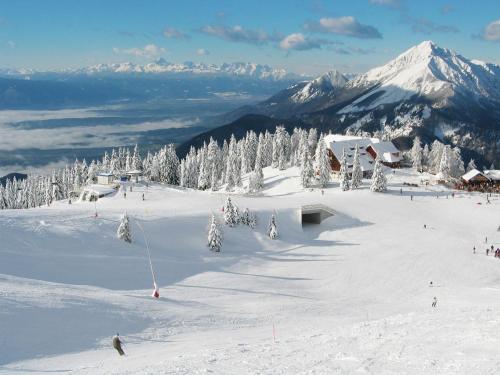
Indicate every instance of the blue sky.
{"type": "Point", "coordinates": [302, 36]}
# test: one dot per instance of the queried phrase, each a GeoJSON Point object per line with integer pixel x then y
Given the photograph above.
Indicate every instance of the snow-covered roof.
{"type": "Point", "coordinates": [99, 189]}
{"type": "Point", "coordinates": [493, 174]}
{"type": "Point", "coordinates": [105, 174]}
{"type": "Point", "coordinates": [471, 174]}
{"type": "Point", "coordinates": [338, 144]}
{"type": "Point", "coordinates": [135, 171]}
{"type": "Point", "coordinates": [387, 151]}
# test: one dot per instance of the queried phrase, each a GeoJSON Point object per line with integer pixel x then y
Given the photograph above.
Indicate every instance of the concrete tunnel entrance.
{"type": "Point", "coordinates": [315, 214]}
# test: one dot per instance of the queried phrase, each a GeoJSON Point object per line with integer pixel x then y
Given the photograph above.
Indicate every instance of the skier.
{"type": "Point", "coordinates": [487, 251]}
{"type": "Point", "coordinates": [401, 191]}
{"type": "Point", "coordinates": [474, 249]}
{"type": "Point", "coordinates": [117, 344]}
{"type": "Point", "coordinates": [411, 197]}
{"type": "Point", "coordinates": [124, 194]}
{"type": "Point", "coordinates": [425, 226]}
{"type": "Point", "coordinates": [322, 192]}
{"type": "Point", "coordinates": [431, 284]}
{"type": "Point", "coordinates": [142, 196]}
{"type": "Point", "coordinates": [434, 302]}
{"type": "Point", "coordinates": [69, 201]}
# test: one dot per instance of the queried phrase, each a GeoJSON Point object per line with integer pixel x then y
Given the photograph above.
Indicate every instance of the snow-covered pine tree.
{"type": "Point", "coordinates": [416, 154]}
{"type": "Point", "coordinates": [444, 165]}
{"type": "Point", "coordinates": [230, 213]}
{"type": "Point", "coordinates": [435, 155]}
{"type": "Point", "coordinates": [136, 159]}
{"type": "Point", "coordinates": [252, 223]}
{"type": "Point", "coordinates": [379, 181]}
{"type": "Point", "coordinates": [203, 177]}
{"type": "Point", "coordinates": [457, 168]}
{"type": "Point", "coordinates": [256, 179]}
{"type": "Point", "coordinates": [425, 156]}
{"type": "Point", "coordinates": [123, 231]}
{"type": "Point", "coordinates": [245, 218]}
{"type": "Point", "coordinates": [323, 164]}
{"type": "Point", "coordinates": [172, 166]}
{"type": "Point", "coordinates": [357, 173]}
{"type": "Point", "coordinates": [307, 170]}
{"type": "Point", "coordinates": [344, 173]}
{"type": "Point", "coordinates": [214, 180]}
{"type": "Point", "coordinates": [272, 230]}
{"type": "Point", "coordinates": [214, 235]}
{"type": "Point", "coordinates": [471, 165]}
{"type": "Point", "coordinates": [312, 140]}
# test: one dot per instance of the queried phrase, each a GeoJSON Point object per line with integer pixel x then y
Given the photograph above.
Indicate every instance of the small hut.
{"type": "Point", "coordinates": [105, 178]}
{"type": "Point", "coordinates": [134, 175]}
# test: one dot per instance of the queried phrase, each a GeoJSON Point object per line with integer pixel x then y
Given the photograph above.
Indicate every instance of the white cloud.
{"type": "Point", "coordinates": [173, 33]}
{"type": "Point", "coordinates": [298, 42]}
{"type": "Point", "coordinates": [347, 26]}
{"type": "Point", "coordinates": [238, 34]}
{"type": "Point", "coordinates": [11, 44]}
{"type": "Point", "coordinates": [202, 52]}
{"type": "Point", "coordinates": [492, 31]}
{"type": "Point", "coordinates": [149, 50]}
{"type": "Point", "coordinates": [388, 3]}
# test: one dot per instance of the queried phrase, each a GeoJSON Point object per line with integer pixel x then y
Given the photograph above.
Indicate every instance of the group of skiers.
{"type": "Point", "coordinates": [489, 250]}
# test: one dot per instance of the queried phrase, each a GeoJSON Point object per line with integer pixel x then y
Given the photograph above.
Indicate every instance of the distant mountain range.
{"type": "Point", "coordinates": [162, 67]}
{"type": "Point", "coordinates": [120, 83]}
{"type": "Point", "coordinates": [428, 91]}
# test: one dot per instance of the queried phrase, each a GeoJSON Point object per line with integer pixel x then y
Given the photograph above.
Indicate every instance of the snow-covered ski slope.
{"type": "Point", "coordinates": [350, 296]}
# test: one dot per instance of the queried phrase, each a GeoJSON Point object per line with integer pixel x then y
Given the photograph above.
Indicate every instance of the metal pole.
{"type": "Point", "coordinates": [149, 253]}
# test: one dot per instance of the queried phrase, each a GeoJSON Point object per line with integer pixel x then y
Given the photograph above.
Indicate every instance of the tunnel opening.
{"type": "Point", "coordinates": [311, 218]}
{"type": "Point", "coordinates": [315, 214]}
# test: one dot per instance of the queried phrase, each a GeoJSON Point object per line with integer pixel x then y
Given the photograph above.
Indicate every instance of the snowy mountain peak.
{"type": "Point", "coordinates": [325, 84]}
{"type": "Point", "coordinates": [428, 70]}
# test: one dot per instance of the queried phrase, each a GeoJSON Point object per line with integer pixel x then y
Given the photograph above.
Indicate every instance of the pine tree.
{"type": "Point", "coordinates": [379, 181]}
{"type": "Point", "coordinates": [425, 156]}
{"type": "Point", "coordinates": [357, 173]}
{"type": "Point", "coordinates": [435, 155]}
{"type": "Point", "coordinates": [256, 180]}
{"type": "Point", "coordinates": [416, 154]}
{"type": "Point", "coordinates": [323, 162]}
{"type": "Point", "coordinates": [312, 140]}
{"type": "Point", "coordinates": [230, 213]}
{"type": "Point", "coordinates": [471, 165]}
{"type": "Point", "coordinates": [344, 173]}
{"type": "Point", "coordinates": [457, 168]}
{"type": "Point", "coordinates": [245, 218]}
{"type": "Point", "coordinates": [307, 170]}
{"type": "Point", "coordinates": [252, 223]}
{"type": "Point", "coordinates": [444, 165]}
{"type": "Point", "coordinates": [203, 177]}
{"type": "Point", "coordinates": [214, 235]}
{"type": "Point", "coordinates": [123, 231]}
{"type": "Point", "coordinates": [272, 230]}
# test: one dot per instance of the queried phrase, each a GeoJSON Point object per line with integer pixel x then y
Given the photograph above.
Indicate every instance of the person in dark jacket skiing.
{"type": "Point", "coordinates": [117, 344]}
{"type": "Point", "coordinates": [434, 302]}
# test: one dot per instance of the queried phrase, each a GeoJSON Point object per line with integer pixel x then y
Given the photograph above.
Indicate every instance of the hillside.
{"type": "Point", "coordinates": [349, 296]}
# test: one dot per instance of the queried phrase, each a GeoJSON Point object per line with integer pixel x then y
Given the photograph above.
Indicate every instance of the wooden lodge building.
{"type": "Point", "coordinates": [369, 148]}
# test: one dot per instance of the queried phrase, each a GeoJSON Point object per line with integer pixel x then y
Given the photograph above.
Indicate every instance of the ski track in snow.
{"type": "Point", "coordinates": [350, 296]}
